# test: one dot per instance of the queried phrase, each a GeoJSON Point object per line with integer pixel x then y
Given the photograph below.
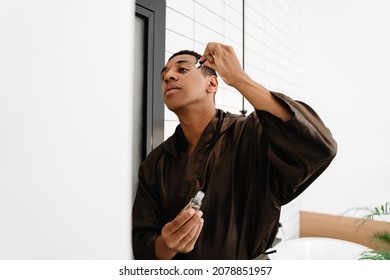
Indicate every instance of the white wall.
{"type": "Point", "coordinates": [65, 129]}
{"type": "Point", "coordinates": [346, 67]}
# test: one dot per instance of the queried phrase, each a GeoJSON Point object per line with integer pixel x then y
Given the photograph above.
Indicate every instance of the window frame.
{"type": "Point", "coordinates": [153, 12]}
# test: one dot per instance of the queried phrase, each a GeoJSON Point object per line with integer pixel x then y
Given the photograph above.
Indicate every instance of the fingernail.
{"type": "Point", "coordinates": [191, 211]}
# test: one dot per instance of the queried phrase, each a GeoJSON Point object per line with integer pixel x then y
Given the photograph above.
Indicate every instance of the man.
{"type": "Point", "coordinates": [248, 167]}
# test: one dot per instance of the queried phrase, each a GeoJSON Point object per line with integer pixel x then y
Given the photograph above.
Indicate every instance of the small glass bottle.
{"type": "Point", "coordinates": [196, 201]}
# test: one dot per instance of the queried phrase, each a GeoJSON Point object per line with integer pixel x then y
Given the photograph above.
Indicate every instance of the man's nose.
{"type": "Point", "coordinates": [170, 75]}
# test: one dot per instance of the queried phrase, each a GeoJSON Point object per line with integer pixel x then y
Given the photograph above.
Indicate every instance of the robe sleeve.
{"type": "Point", "coordinates": [146, 224]}
{"type": "Point", "coordinates": [299, 149]}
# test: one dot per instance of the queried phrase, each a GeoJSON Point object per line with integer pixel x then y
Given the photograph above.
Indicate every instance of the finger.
{"type": "Point", "coordinates": [190, 245]}
{"type": "Point", "coordinates": [182, 232]}
{"type": "Point", "coordinates": [199, 229]}
{"type": "Point", "coordinates": [210, 59]}
{"type": "Point", "coordinates": [173, 232]}
{"type": "Point", "coordinates": [179, 221]}
{"type": "Point", "coordinates": [210, 52]}
{"type": "Point", "coordinates": [212, 49]}
{"type": "Point", "coordinates": [207, 60]}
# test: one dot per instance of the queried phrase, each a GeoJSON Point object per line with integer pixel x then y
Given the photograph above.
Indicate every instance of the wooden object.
{"type": "Point", "coordinates": [340, 227]}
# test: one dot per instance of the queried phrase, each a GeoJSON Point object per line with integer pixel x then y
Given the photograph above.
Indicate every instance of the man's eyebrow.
{"type": "Point", "coordinates": [183, 61]}
{"type": "Point", "coordinates": [177, 62]}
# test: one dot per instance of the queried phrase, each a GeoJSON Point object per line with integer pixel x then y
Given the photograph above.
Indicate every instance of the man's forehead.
{"type": "Point", "coordinates": [179, 59]}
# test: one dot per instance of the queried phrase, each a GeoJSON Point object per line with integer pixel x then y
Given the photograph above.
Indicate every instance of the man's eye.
{"type": "Point", "coordinates": [182, 70]}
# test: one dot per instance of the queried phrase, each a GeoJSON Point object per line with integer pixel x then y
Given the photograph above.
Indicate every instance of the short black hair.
{"type": "Point", "coordinates": [205, 69]}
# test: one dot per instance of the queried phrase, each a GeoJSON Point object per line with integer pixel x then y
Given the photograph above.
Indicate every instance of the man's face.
{"type": "Point", "coordinates": [183, 84]}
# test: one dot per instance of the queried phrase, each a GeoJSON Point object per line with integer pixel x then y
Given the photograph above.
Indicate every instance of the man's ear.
{"type": "Point", "coordinates": [212, 86]}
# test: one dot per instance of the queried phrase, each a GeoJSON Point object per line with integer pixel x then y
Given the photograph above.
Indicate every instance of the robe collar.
{"type": "Point", "coordinates": [176, 144]}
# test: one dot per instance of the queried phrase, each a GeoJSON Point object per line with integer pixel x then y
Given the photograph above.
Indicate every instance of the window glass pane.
{"type": "Point", "coordinates": [138, 96]}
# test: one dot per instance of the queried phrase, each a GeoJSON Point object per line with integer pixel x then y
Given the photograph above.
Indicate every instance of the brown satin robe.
{"type": "Point", "coordinates": [248, 167]}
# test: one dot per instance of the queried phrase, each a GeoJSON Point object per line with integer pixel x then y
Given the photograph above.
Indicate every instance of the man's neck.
{"type": "Point", "coordinates": [193, 124]}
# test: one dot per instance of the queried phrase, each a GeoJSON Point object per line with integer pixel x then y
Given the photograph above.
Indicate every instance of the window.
{"type": "Point", "coordinates": [148, 110]}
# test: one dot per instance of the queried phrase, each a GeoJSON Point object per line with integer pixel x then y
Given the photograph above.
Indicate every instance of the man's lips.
{"type": "Point", "coordinates": [170, 89]}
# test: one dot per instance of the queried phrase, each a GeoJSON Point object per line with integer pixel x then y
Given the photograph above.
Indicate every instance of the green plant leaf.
{"type": "Point", "coordinates": [375, 255]}
{"type": "Point", "coordinates": [381, 239]}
